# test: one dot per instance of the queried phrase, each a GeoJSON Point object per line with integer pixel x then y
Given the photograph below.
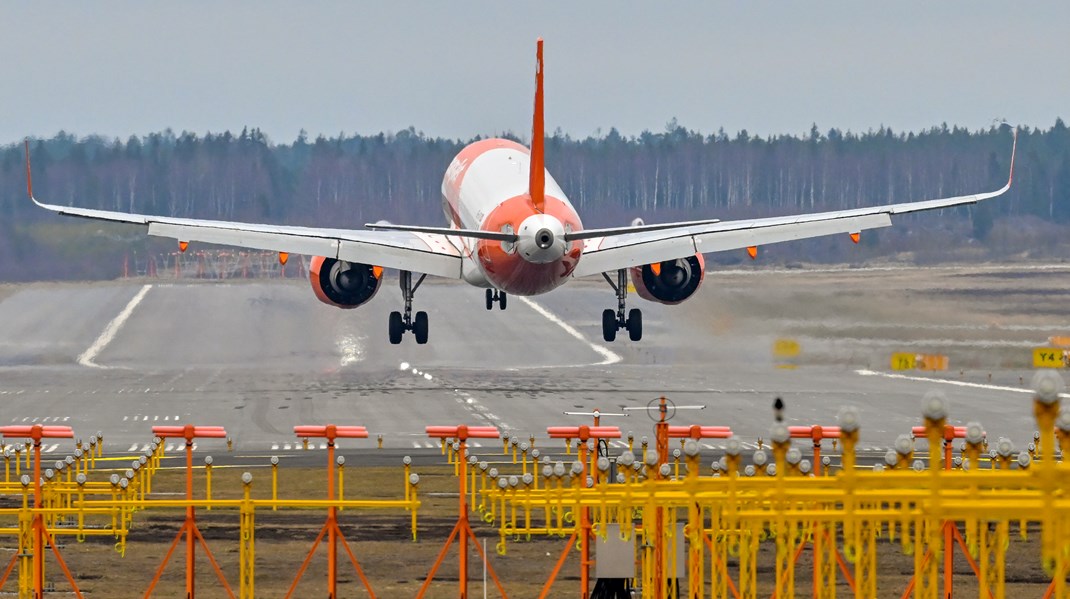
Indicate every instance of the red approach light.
{"type": "Point", "coordinates": [696, 431]}
{"type": "Point", "coordinates": [950, 432]}
{"type": "Point", "coordinates": [189, 432]}
{"type": "Point", "coordinates": [815, 432]}
{"type": "Point", "coordinates": [462, 432]}
{"type": "Point", "coordinates": [36, 431]}
{"type": "Point", "coordinates": [331, 431]}
{"type": "Point", "coordinates": [583, 432]}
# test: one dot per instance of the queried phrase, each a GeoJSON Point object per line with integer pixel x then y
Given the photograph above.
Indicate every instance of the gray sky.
{"type": "Point", "coordinates": [458, 69]}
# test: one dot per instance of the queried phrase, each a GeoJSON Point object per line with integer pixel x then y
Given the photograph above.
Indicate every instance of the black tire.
{"type": "Point", "coordinates": [635, 324]}
{"type": "Point", "coordinates": [490, 299]}
{"type": "Point", "coordinates": [501, 299]}
{"type": "Point", "coordinates": [397, 327]}
{"type": "Point", "coordinates": [609, 325]}
{"type": "Point", "coordinates": [419, 327]}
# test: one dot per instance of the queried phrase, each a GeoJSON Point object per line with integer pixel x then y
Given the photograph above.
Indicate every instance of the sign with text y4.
{"type": "Point", "coordinates": [1049, 357]}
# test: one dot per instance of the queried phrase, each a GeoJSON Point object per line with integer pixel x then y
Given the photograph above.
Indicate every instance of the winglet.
{"type": "Point", "coordinates": [537, 175]}
{"type": "Point", "coordinates": [29, 178]}
{"type": "Point", "coordinates": [1014, 146]}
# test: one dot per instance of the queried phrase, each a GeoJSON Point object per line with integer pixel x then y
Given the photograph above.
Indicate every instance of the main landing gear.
{"type": "Point", "coordinates": [400, 323]}
{"type": "Point", "coordinates": [493, 295]}
{"type": "Point", "coordinates": [612, 321]}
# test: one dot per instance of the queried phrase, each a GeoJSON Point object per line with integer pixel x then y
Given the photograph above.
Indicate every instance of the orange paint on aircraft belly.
{"type": "Point", "coordinates": [511, 273]}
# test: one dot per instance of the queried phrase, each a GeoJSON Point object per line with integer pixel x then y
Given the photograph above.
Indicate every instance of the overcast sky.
{"type": "Point", "coordinates": [458, 69]}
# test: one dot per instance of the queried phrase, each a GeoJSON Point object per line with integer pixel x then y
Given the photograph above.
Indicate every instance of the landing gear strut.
{"type": "Point", "coordinates": [495, 296]}
{"type": "Point", "coordinates": [612, 321]}
{"type": "Point", "coordinates": [399, 323]}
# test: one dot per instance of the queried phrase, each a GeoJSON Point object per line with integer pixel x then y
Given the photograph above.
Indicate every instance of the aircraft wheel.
{"type": "Point", "coordinates": [609, 325]}
{"type": "Point", "coordinates": [490, 299]}
{"type": "Point", "coordinates": [397, 327]}
{"type": "Point", "coordinates": [501, 299]}
{"type": "Point", "coordinates": [419, 327]}
{"type": "Point", "coordinates": [635, 324]}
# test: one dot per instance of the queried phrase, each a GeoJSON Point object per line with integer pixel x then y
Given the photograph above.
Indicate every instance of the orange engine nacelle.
{"type": "Point", "coordinates": [671, 281]}
{"type": "Point", "coordinates": [343, 284]}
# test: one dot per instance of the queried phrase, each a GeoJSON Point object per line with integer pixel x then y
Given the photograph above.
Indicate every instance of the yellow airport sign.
{"type": "Point", "coordinates": [786, 348]}
{"type": "Point", "coordinates": [1049, 357]}
{"type": "Point", "coordinates": [909, 361]}
{"type": "Point", "coordinates": [904, 361]}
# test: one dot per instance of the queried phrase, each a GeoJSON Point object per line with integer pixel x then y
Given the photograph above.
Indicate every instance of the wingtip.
{"type": "Point", "coordinates": [29, 176]}
{"type": "Point", "coordinates": [1014, 148]}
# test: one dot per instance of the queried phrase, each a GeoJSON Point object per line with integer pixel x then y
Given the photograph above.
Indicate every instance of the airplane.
{"type": "Point", "coordinates": [512, 230]}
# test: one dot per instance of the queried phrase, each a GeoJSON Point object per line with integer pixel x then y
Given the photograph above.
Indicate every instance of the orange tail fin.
{"type": "Point", "coordinates": [537, 176]}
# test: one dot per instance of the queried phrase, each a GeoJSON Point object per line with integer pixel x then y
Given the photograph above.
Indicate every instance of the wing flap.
{"type": "Point", "coordinates": [612, 253]}
{"type": "Point", "coordinates": [431, 262]}
{"type": "Point", "coordinates": [254, 240]}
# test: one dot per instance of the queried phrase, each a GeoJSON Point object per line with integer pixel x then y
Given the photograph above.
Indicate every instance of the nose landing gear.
{"type": "Point", "coordinates": [399, 323]}
{"type": "Point", "coordinates": [615, 320]}
{"type": "Point", "coordinates": [496, 296]}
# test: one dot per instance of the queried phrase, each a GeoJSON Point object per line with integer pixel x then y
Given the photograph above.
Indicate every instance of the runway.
{"type": "Point", "coordinates": [260, 357]}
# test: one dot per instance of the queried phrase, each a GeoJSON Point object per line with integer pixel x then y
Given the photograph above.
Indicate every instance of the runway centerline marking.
{"type": "Point", "coordinates": [923, 379]}
{"type": "Point", "coordinates": [605, 352]}
{"type": "Point", "coordinates": [87, 357]}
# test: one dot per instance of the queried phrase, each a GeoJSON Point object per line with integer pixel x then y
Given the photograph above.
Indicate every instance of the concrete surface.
{"type": "Point", "coordinates": [260, 357]}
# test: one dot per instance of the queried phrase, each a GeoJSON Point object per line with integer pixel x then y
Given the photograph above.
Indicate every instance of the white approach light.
{"type": "Point", "coordinates": [934, 405]}
{"type": "Point", "coordinates": [1047, 384]}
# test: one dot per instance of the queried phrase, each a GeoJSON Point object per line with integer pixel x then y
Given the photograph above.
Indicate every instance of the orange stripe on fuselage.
{"type": "Point", "coordinates": [510, 272]}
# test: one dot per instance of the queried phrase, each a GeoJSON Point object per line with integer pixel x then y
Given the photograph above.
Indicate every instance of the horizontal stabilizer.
{"type": "Point", "coordinates": [471, 233]}
{"type": "Point", "coordinates": [591, 233]}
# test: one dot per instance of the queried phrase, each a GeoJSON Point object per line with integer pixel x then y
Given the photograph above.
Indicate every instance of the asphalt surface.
{"type": "Point", "coordinates": [261, 357]}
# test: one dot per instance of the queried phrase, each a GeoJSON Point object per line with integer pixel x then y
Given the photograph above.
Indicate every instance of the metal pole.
{"type": "Point", "coordinates": [332, 523]}
{"type": "Point", "coordinates": [190, 538]}
{"type": "Point", "coordinates": [462, 537]}
{"type": "Point", "coordinates": [585, 523]}
{"type": "Point", "coordinates": [38, 522]}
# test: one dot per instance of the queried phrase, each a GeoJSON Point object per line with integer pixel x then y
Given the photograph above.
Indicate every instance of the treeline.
{"type": "Point", "coordinates": [346, 181]}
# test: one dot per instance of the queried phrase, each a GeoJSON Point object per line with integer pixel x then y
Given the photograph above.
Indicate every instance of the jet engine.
{"type": "Point", "coordinates": [343, 284]}
{"type": "Point", "coordinates": [671, 281]}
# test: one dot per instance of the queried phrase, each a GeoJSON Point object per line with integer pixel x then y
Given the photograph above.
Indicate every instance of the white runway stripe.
{"type": "Point", "coordinates": [87, 357]}
{"type": "Point", "coordinates": [610, 357]}
{"type": "Point", "coordinates": [923, 379]}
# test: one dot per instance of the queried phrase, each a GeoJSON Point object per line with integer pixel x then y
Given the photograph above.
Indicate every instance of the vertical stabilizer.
{"type": "Point", "coordinates": [537, 176]}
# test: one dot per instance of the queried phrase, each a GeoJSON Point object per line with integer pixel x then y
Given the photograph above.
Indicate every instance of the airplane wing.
{"type": "Point", "coordinates": [417, 251]}
{"type": "Point", "coordinates": [627, 249]}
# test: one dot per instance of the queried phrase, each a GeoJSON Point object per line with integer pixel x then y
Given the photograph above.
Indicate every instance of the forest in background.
{"type": "Point", "coordinates": [677, 174]}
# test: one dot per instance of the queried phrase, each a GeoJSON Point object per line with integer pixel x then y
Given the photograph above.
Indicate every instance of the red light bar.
{"type": "Point", "coordinates": [949, 432]}
{"type": "Point", "coordinates": [331, 431]}
{"type": "Point", "coordinates": [462, 432]}
{"type": "Point", "coordinates": [189, 431]}
{"type": "Point", "coordinates": [696, 431]}
{"type": "Point", "coordinates": [816, 432]}
{"type": "Point", "coordinates": [583, 432]}
{"type": "Point", "coordinates": [22, 430]}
